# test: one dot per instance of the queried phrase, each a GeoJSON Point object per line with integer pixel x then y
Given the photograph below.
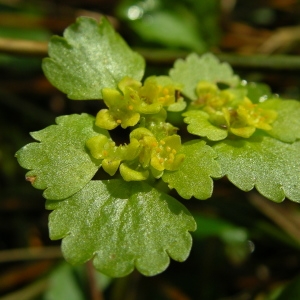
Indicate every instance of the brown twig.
{"type": "Point", "coordinates": [282, 40]}
{"type": "Point", "coordinates": [279, 214]}
{"type": "Point", "coordinates": [22, 274]}
{"type": "Point", "coordinates": [23, 47]}
{"type": "Point", "coordinates": [30, 254]}
{"type": "Point", "coordinates": [95, 292]}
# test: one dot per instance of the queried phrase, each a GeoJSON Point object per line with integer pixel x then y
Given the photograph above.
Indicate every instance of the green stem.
{"type": "Point", "coordinates": [261, 61]}
{"type": "Point", "coordinates": [167, 56]}
{"type": "Point", "coordinates": [254, 61]}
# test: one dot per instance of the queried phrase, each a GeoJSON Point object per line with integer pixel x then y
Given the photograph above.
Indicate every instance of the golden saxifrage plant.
{"type": "Point", "coordinates": [127, 219]}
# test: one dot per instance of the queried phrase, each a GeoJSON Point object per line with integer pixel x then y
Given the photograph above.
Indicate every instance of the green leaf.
{"type": "Point", "coordinates": [194, 176]}
{"type": "Point", "coordinates": [91, 56]}
{"type": "Point", "coordinates": [286, 127]}
{"type": "Point", "coordinates": [169, 29]}
{"type": "Point", "coordinates": [173, 23]}
{"type": "Point", "coordinates": [122, 226]}
{"type": "Point", "coordinates": [199, 125]}
{"type": "Point", "coordinates": [207, 67]}
{"type": "Point", "coordinates": [235, 238]}
{"type": "Point", "coordinates": [290, 290]}
{"type": "Point", "coordinates": [69, 282]}
{"type": "Point", "coordinates": [63, 284]}
{"type": "Point", "coordinates": [271, 166]}
{"type": "Point", "coordinates": [60, 162]}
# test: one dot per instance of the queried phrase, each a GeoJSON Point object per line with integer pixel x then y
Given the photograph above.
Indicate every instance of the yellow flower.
{"type": "Point", "coordinates": [234, 111]}
{"type": "Point", "coordinates": [131, 99]}
{"type": "Point", "coordinates": [144, 153]}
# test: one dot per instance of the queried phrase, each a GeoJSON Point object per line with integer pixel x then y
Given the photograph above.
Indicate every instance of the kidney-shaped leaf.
{"type": "Point", "coordinates": [122, 226]}
{"type": "Point", "coordinates": [60, 162]}
{"type": "Point", "coordinates": [270, 165]}
{"type": "Point", "coordinates": [91, 56]}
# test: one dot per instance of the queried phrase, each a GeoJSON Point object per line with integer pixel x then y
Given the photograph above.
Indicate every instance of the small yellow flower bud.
{"type": "Point", "coordinates": [165, 91]}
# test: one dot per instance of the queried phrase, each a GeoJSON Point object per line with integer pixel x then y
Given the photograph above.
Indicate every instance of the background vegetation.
{"type": "Point", "coordinates": [245, 247]}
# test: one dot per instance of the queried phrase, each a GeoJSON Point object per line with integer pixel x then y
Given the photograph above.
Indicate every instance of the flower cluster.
{"type": "Point", "coordinates": [232, 111]}
{"type": "Point", "coordinates": [154, 144]}
{"type": "Point", "coordinates": [144, 152]}
{"type": "Point", "coordinates": [132, 99]}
